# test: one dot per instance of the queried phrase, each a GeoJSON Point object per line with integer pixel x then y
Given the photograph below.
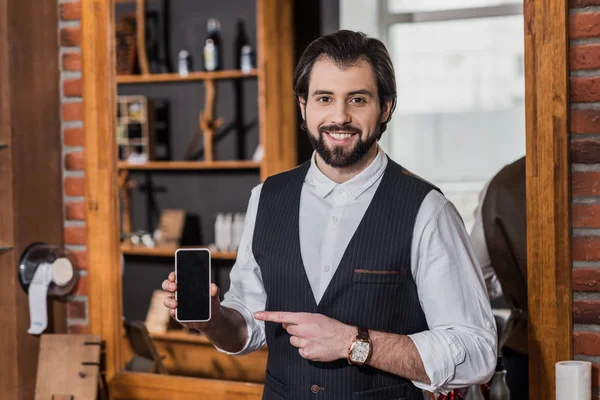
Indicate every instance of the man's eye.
{"type": "Point", "coordinates": [358, 100]}
{"type": "Point", "coordinates": [324, 99]}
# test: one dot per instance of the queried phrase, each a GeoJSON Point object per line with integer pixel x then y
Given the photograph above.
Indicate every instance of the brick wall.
{"type": "Point", "coordinates": [584, 32]}
{"type": "Point", "coordinates": [72, 136]}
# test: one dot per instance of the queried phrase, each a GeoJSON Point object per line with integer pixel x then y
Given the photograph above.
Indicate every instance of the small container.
{"type": "Point", "coordinates": [246, 59]}
{"type": "Point", "coordinates": [210, 55]}
{"type": "Point", "coordinates": [184, 66]}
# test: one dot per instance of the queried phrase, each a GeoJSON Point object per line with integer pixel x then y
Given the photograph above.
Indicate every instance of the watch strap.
{"type": "Point", "coordinates": [363, 333]}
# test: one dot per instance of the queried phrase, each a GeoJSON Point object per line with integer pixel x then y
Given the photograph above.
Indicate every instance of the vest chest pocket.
{"type": "Point", "coordinates": [377, 276]}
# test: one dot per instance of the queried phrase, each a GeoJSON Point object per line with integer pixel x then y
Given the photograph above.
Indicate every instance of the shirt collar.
{"type": "Point", "coordinates": [356, 186]}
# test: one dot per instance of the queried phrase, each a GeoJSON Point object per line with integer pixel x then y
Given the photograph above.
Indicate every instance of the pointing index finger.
{"type": "Point", "coordinates": [278, 316]}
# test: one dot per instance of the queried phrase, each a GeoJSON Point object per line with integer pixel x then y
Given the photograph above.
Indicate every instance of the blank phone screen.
{"type": "Point", "coordinates": [193, 285]}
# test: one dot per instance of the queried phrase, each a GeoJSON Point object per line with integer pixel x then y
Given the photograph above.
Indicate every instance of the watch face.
{"type": "Point", "coordinates": [360, 351]}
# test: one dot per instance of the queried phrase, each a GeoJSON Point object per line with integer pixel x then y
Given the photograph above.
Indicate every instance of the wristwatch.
{"type": "Point", "coordinates": [361, 348]}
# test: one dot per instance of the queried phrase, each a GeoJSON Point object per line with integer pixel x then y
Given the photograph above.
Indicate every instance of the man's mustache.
{"type": "Point", "coordinates": [339, 129]}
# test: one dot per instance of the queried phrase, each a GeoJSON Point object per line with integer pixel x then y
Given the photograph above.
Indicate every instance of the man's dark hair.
{"type": "Point", "coordinates": [346, 48]}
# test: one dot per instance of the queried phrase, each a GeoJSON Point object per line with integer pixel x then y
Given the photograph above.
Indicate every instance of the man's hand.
{"type": "Point", "coordinates": [317, 337]}
{"type": "Point", "coordinates": [169, 301]}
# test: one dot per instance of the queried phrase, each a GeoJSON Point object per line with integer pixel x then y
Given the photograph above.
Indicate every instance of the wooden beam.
{"type": "Point", "coordinates": [101, 188]}
{"type": "Point", "coordinates": [277, 111]}
{"type": "Point", "coordinates": [548, 196]}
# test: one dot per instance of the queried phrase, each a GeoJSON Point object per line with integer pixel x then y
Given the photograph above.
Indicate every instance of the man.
{"type": "Point", "coordinates": [358, 276]}
{"type": "Point", "coordinates": [499, 237]}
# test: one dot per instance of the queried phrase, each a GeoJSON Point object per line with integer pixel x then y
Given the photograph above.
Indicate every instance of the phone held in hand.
{"type": "Point", "coordinates": [193, 278]}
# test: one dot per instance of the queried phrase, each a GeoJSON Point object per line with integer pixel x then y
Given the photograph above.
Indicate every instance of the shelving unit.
{"type": "Point", "coordinates": [192, 76]}
{"type": "Point", "coordinates": [267, 117]}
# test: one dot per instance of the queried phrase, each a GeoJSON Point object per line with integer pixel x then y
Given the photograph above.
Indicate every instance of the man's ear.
{"type": "Point", "coordinates": [387, 110]}
{"type": "Point", "coordinates": [302, 104]}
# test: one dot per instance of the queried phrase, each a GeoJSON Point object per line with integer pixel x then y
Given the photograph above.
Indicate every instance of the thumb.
{"type": "Point", "coordinates": [214, 290]}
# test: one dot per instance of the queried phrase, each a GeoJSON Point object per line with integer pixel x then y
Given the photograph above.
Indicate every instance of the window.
{"type": "Point", "coordinates": [460, 115]}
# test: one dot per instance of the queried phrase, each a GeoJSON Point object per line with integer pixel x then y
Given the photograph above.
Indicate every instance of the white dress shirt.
{"type": "Point", "coordinates": [460, 346]}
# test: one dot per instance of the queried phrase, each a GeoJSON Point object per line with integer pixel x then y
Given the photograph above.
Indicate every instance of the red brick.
{"type": "Point", "coordinates": [81, 259]}
{"type": "Point", "coordinates": [71, 62]}
{"type": "Point", "coordinates": [585, 248]}
{"type": "Point", "coordinates": [73, 137]}
{"type": "Point", "coordinates": [584, 89]}
{"type": "Point", "coordinates": [75, 234]}
{"type": "Point", "coordinates": [76, 309]}
{"type": "Point", "coordinates": [72, 111]}
{"type": "Point", "coordinates": [79, 328]}
{"type": "Point", "coordinates": [584, 25]}
{"type": "Point", "coordinates": [586, 312]}
{"type": "Point", "coordinates": [70, 11]}
{"type": "Point", "coordinates": [81, 288]}
{"type": "Point", "coordinates": [585, 121]}
{"type": "Point", "coordinates": [586, 280]}
{"type": "Point", "coordinates": [586, 343]}
{"type": "Point", "coordinates": [585, 183]}
{"type": "Point", "coordinates": [75, 210]}
{"type": "Point", "coordinates": [583, 3]}
{"type": "Point", "coordinates": [585, 151]}
{"type": "Point", "coordinates": [586, 56]}
{"type": "Point", "coordinates": [72, 87]}
{"type": "Point", "coordinates": [70, 36]}
{"type": "Point", "coordinates": [74, 186]}
{"type": "Point", "coordinates": [585, 215]}
{"type": "Point", "coordinates": [74, 161]}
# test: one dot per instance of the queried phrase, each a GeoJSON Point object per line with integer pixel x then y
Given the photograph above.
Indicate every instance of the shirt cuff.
{"type": "Point", "coordinates": [440, 354]}
{"type": "Point", "coordinates": [252, 326]}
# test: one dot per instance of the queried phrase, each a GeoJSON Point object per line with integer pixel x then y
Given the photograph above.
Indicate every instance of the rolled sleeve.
{"type": "Point", "coordinates": [459, 349]}
{"type": "Point", "coordinates": [440, 355]}
{"type": "Point", "coordinates": [256, 329]}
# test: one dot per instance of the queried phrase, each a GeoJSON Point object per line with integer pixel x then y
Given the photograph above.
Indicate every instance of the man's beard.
{"type": "Point", "coordinates": [337, 157]}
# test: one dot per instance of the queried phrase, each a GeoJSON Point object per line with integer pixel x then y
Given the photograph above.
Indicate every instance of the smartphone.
{"type": "Point", "coordinates": [193, 277]}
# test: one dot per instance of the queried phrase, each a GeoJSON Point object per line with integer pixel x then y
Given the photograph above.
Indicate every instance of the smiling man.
{"type": "Point", "coordinates": [358, 275]}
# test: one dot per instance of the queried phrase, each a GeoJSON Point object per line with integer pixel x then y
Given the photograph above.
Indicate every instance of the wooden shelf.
{"type": "Point", "coordinates": [190, 165]}
{"type": "Point", "coordinates": [181, 336]}
{"type": "Point", "coordinates": [128, 249]}
{"type": "Point", "coordinates": [193, 76]}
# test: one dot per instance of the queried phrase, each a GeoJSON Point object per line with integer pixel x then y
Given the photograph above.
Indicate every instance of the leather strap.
{"type": "Point", "coordinates": [363, 333]}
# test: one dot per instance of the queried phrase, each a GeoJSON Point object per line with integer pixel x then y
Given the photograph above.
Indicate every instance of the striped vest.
{"type": "Point", "coordinates": [358, 294]}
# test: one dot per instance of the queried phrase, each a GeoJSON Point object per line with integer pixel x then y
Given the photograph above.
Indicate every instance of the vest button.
{"type": "Point", "coordinates": [315, 388]}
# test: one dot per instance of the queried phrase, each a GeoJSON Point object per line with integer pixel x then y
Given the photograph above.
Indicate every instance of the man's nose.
{"type": "Point", "coordinates": [341, 114]}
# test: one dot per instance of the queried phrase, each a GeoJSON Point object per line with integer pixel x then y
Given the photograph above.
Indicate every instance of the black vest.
{"type": "Point", "coordinates": [379, 301]}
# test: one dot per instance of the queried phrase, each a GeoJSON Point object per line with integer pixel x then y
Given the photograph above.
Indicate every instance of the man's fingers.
{"type": "Point", "coordinates": [297, 342]}
{"type": "Point", "coordinates": [279, 316]}
{"type": "Point", "coordinates": [170, 302]}
{"type": "Point", "coordinates": [172, 312]}
{"type": "Point", "coordinates": [294, 330]}
{"type": "Point", "coordinates": [172, 276]}
{"type": "Point", "coordinates": [169, 286]}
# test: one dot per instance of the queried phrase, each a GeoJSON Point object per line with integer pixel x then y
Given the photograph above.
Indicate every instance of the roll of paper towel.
{"type": "Point", "coordinates": [573, 380]}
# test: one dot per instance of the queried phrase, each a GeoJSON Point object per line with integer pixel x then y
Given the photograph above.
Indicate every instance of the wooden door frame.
{"type": "Point", "coordinates": [548, 185]}
{"type": "Point", "coordinates": [548, 191]}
